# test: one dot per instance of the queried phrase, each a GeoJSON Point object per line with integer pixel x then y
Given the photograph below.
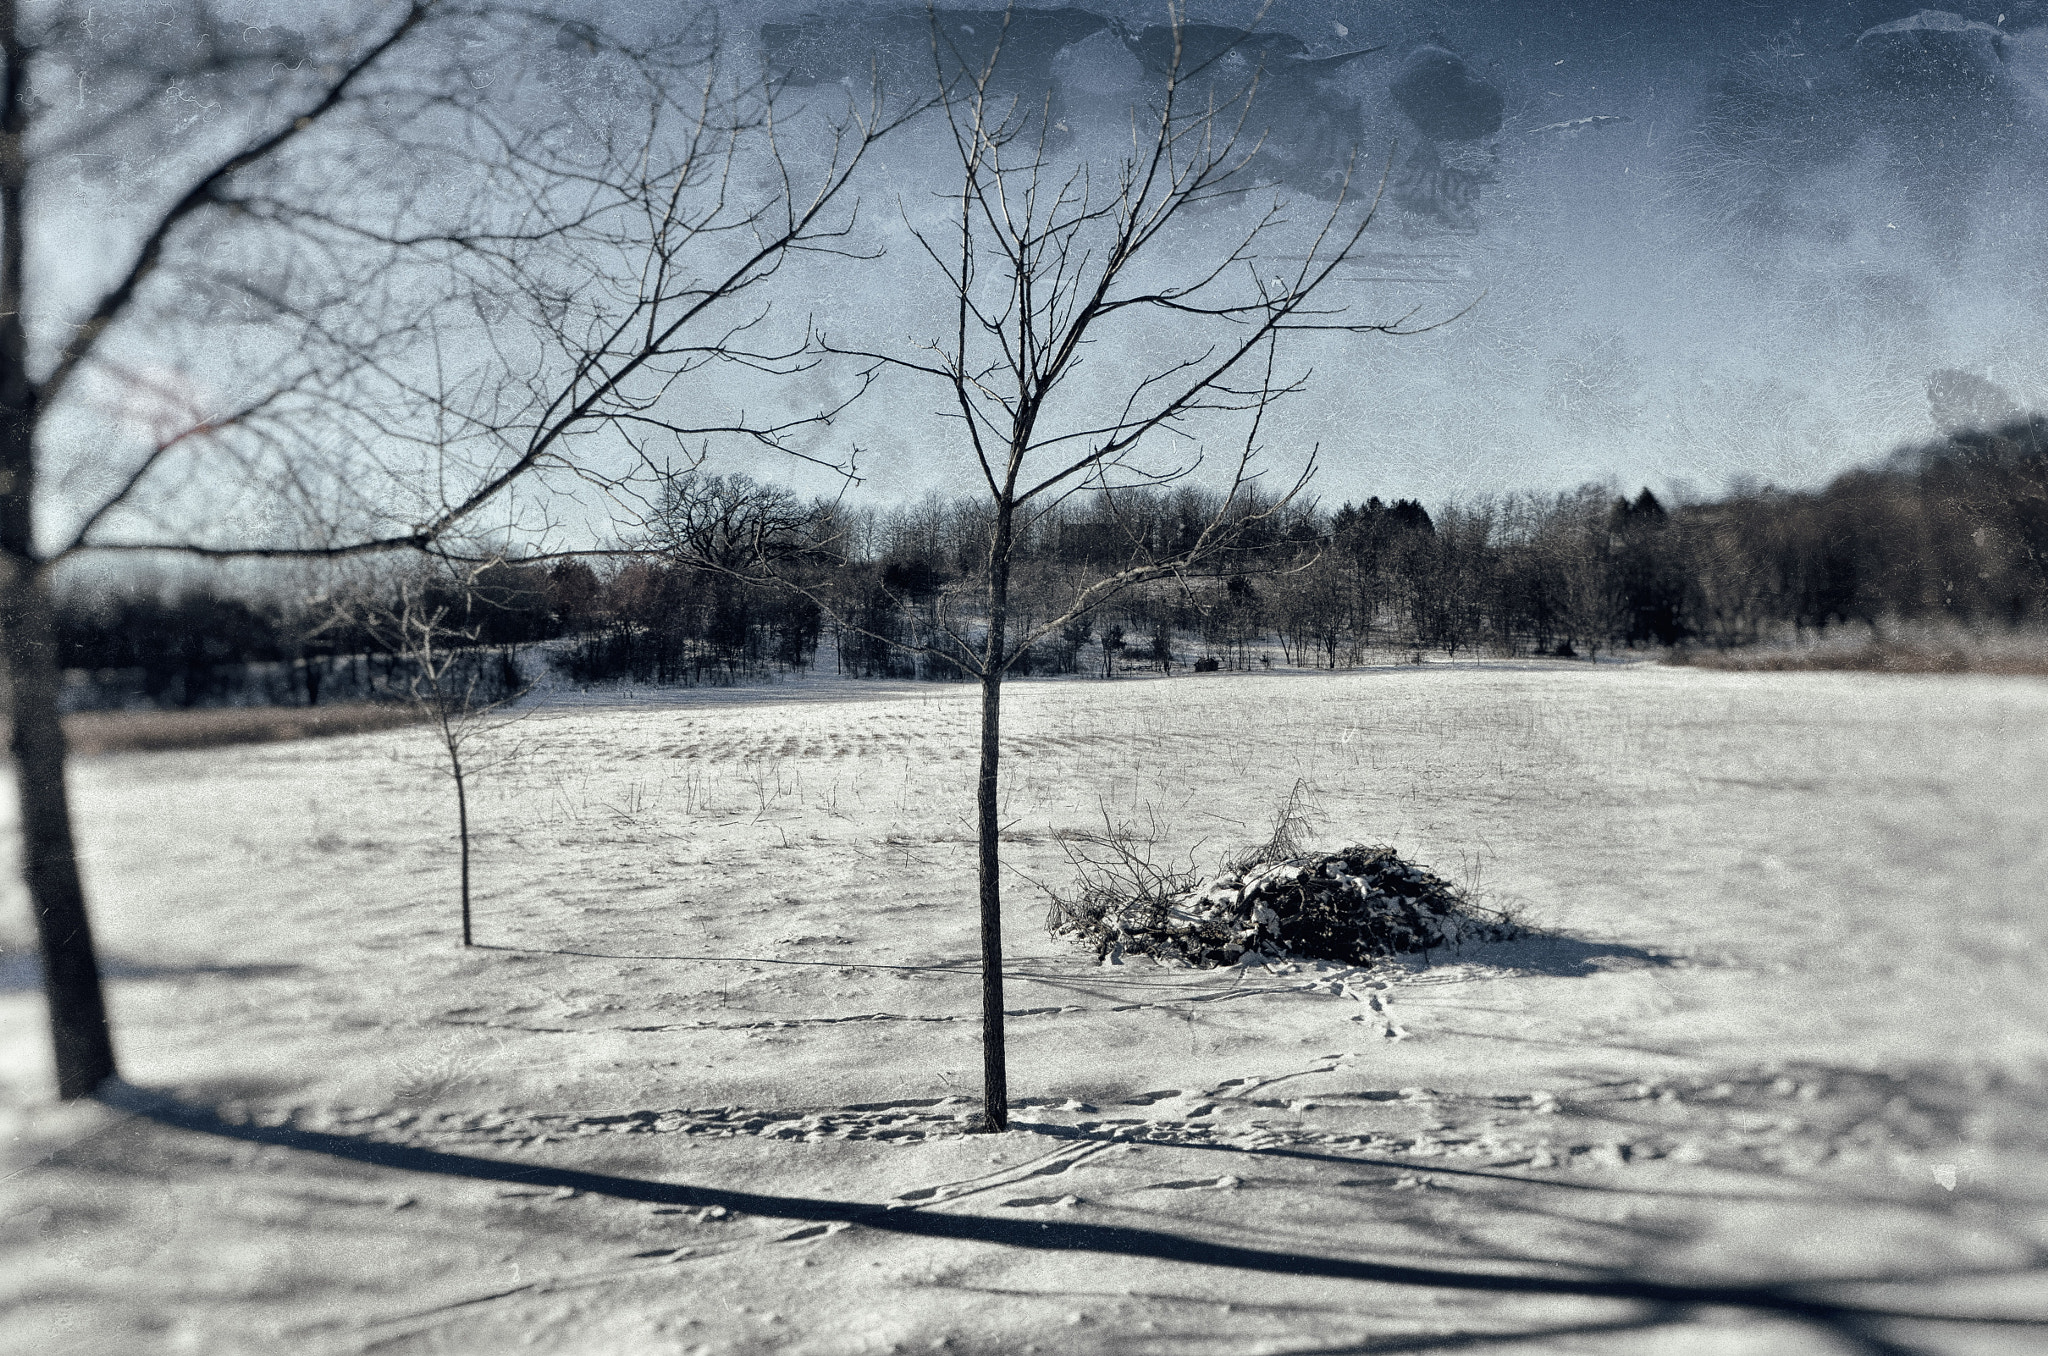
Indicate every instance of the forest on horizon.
{"type": "Point", "coordinates": [1955, 530]}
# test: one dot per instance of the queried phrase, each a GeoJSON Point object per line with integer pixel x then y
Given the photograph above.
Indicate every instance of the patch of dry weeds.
{"type": "Point", "coordinates": [2015, 654]}
{"type": "Point", "coordinates": [97, 732]}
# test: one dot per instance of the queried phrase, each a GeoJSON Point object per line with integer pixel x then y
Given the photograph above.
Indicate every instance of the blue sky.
{"type": "Point", "coordinates": [1703, 245]}
{"type": "Point", "coordinates": [1744, 267]}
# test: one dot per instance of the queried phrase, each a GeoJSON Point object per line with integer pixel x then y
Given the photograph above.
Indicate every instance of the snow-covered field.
{"type": "Point", "coordinates": [1774, 1078]}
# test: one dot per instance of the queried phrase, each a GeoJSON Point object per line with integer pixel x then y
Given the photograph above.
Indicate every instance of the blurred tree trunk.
{"type": "Point", "coordinates": [84, 1048]}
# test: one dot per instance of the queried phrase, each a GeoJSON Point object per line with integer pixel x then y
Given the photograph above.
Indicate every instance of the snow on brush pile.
{"type": "Point", "coordinates": [1354, 905]}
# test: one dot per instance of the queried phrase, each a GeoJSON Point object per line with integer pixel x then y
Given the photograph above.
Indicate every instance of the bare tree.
{"type": "Point", "coordinates": [1448, 579]}
{"type": "Point", "coordinates": [732, 523]}
{"type": "Point", "coordinates": [1314, 611]}
{"type": "Point", "coordinates": [1042, 264]}
{"type": "Point", "coordinates": [277, 366]}
{"type": "Point", "coordinates": [451, 683]}
{"type": "Point", "coordinates": [79, 86]}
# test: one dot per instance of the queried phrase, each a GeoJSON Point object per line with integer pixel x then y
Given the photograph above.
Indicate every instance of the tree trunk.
{"type": "Point", "coordinates": [83, 1045]}
{"type": "Point", "coordinates": [995, 1076]}
{"type": "Point", "coordinates": [995, 1079]}
{"type": "Point", "coordinates": [462, 831]}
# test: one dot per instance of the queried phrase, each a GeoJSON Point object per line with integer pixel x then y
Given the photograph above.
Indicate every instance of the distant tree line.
{"type": "Point", "coordinates": [658, 622]}
{"type": "Point", "coordinates": [1955, 529]}
{"type": "Point", "coordinates": [204, 643]}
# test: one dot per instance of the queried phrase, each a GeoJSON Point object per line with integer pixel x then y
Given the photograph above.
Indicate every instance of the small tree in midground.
{"type": "Point", "coordinates": [462, 689]}
{"type": "Point", "coordinates": [1039, 266]}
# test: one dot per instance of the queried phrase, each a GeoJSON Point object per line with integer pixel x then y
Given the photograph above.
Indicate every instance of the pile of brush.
{"type": "Point", "coordinates": [1354, 905]}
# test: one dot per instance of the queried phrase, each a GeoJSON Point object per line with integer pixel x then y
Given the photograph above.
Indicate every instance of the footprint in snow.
{"type": "Point", "coordinates": [1055, 1168]}
{"type": "Point", "coordinates": [814, 1231]}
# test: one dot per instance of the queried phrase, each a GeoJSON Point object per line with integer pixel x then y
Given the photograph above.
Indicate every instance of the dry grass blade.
{"type": "Point", "coordinates": [1295, 828]}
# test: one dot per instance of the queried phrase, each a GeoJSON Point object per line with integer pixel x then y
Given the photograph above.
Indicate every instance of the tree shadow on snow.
{"type": "Point", "coordinates": [1805, 1303]}
{"type": "Point", "coordinates": [1538, 954]}
{"type": "Point", "coordinates": [22, 971]}
{"type": "Point", "coordinates": [1560, 957]}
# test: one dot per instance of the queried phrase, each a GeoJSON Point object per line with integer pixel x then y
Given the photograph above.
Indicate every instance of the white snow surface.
{"type": "Point", "coordinates": [1772, 1079]}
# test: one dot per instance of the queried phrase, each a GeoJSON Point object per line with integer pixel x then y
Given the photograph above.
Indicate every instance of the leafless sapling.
{"type": "Point", "coordinates": [450, 680]}
{"type": "Point", "coordinates": [1041, 264]}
